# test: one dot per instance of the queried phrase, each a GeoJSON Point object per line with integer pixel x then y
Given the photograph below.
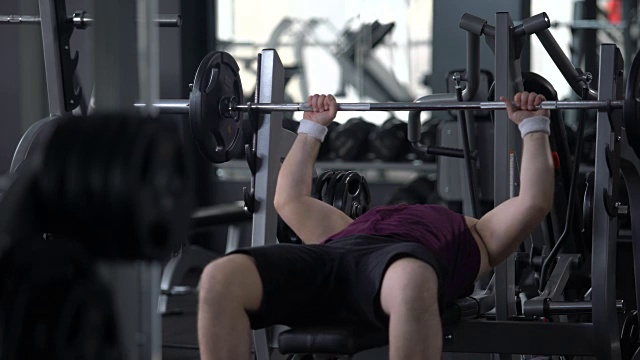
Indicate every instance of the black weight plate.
{"type": "Point", "coordinates": [341, 189]}
{"type": "Point", "coordinates": [330, 191]}
{"type": "Point", "coordinates": [352, 195]}
{"type": "Point", "coordinates": [319, 187]}
{"type": "Point", "coordinates": [630, 109]}
{"type": "Point", "coordinates": [215, 134]}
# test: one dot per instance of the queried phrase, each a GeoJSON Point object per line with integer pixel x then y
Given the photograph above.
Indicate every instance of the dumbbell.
{"type": "Point", "coordinates": [389, 141]}
{"type": "Point", "coordinates": [350, 141]}
{"type": "Point", "coordinates": [420, 191]}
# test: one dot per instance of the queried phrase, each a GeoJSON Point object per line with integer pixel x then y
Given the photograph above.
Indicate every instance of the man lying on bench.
{"type": "Point", "coordinates": [395, 267]}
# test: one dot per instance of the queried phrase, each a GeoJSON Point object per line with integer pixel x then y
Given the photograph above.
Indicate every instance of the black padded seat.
{"type": "Point", "coordinates": [351, 340]}
{"type": "Point", "coordinates": [330, 340]}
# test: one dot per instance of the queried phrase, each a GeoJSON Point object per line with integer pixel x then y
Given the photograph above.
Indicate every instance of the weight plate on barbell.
{"type": "Point", "coordinates": [630, 108]}
{"type": "Point", "coordinates": [216, 131]}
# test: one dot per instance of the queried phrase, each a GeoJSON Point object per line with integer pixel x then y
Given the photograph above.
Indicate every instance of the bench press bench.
{"type": "Point", "coordinates": [345, 342]}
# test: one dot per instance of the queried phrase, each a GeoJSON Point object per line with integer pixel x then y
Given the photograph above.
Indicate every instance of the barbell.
{"type": "Point", "coordinates": [81, 20]}
{"type": "Point", "coordinates": [231, 105]}
{"type": "Point", "coordinates": [216, 101]}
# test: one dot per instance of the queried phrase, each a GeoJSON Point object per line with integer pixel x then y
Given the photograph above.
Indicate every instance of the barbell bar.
{"type": "Point", "coordinates": [215, 106]}
{"type": "Point", "coordinates": [416, 106]}
{"type": "Point", "coordinates": [182, 106]}
{"type": "Point", "coordinates": [81, 20]}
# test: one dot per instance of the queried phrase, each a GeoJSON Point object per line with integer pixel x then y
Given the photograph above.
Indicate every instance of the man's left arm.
{"type": "Point", "coordinates": [503, 228]}
{"type": "Point", "coordinates": [311, 219]}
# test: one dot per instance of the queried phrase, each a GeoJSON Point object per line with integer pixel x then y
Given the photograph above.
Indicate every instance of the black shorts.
{"type": "Point", "coordinates": [337, 283]}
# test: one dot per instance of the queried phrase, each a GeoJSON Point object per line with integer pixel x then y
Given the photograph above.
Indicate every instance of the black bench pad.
{"type": "Point", "coordinates": [330, 340]}
{"type": "Point", "coordinates": [351, 340]}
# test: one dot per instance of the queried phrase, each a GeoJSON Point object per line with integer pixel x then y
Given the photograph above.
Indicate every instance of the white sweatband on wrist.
{"type": "Point", "coordinates": [535, 124]}
{"type": "Point", "coordinates": [312, 129]}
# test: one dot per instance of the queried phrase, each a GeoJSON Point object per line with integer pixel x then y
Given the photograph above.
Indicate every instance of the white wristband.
{"type": "Point", "coordinates": [312, 129]}
{"type": "Point", "coordinates": [535, 124]}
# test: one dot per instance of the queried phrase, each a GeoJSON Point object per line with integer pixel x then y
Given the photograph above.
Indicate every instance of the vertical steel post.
{"type": "Point", "coordinates": [273, 143]}
{"type": "Point", "coordinates": [52, 60]}
{"type": "Point", "coordinates": [115, 46]}
{"type": "Point", "coordinates": [125, 65]}
{"type": "Point", "coordinates": [271, 90]}
{"type": "Point", "coordinates": [508, 81]}
{"type": "Point", "coordinates": [148, 54]}
{"type": "Point", "coordinates": [603, 262]}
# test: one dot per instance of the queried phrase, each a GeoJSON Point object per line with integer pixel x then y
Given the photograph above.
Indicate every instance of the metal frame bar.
{"type": "Point", "coordinates": [116, 68]}
{"type": "Point", "coordinates": [538, 306]}
{"type": "Point", "coordinates": [269, 151]}
{"type": "Point", "coordinates": [52, 57]}
{"type": "Point", "coordinates": [119, 59]}
{"type": "Point", "coordinates": [148, 54]}
{"type": "Point", "coordinates": [505, 133]}
{"type": "Point", "coordinates": [273, 143]}
{"type": "Point", "coordinates": [603, 262]}
{"type": "Point", "coordinates": [563, 64]}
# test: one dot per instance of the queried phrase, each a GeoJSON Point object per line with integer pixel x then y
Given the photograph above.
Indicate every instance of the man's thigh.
{"type": "Point", "coordinates": [365, 268]}
{"type": "Point", "coordinates": [298, 284]}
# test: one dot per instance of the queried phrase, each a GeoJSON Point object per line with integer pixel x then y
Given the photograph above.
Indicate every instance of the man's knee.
{"type": "Point", "coordinates": [233, 279]}
{"type": "Point", "coordinates": [409, 284]}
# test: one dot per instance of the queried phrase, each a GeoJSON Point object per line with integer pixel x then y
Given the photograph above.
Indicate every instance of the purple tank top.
{"type": "Point", "coordinates": [443, 232]}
